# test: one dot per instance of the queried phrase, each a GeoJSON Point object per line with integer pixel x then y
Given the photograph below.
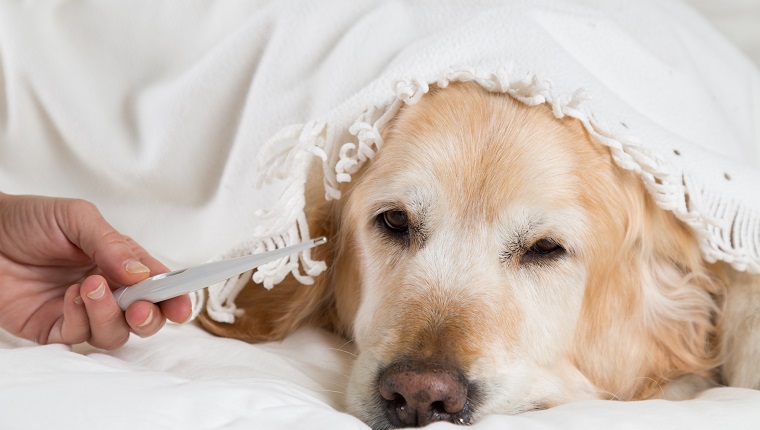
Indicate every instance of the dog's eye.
{"type": "Point", "coordinates": [545, 246]}
{"type": "Point", "coordinates": [542, 250]}
{"type": "Point", "coordinates": [395, 221]}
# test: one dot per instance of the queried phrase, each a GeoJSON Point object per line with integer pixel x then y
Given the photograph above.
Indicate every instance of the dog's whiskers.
{"type": "Point", "coordinates": [344, 351]}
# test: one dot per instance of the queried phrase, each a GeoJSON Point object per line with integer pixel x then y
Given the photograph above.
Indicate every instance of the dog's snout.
{"type": "Point", "coordinates": [417, 394]}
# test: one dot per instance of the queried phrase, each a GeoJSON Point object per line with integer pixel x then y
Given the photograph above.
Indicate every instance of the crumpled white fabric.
{"type": "Point", "coordinates": [184, 378]}
{"type": "Point", "coordinates": [168, 114]}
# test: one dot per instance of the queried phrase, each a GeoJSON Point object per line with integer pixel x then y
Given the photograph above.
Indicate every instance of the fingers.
{"type": "Point", "coordinates": [142, 255]}
{"type": "Point", "coordinates": [98, 318]}
{"type": "Point", "coordinates": [144, 318]}
{"type": "Point", "coordinates": [108, 328]}
{"type": "Point", "coordinates": [178, 309]}
{"type": "Point", "coordinates": [119, 257]}
{"type": "Point", "coordinates": [91, 314]}
{"type": "Point", "coordinates": [76, 324]}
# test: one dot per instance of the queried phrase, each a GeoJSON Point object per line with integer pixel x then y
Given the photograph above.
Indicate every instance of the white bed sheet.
{"type": "Point", "coordinates": [184, 378]}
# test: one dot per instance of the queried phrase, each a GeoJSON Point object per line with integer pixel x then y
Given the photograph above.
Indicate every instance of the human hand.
{"type": "Point", "coordinates": [59, 262]}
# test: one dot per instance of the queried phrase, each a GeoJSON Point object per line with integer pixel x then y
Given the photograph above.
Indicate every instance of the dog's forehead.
{"type": "Point", "coordinates": [479, 152]}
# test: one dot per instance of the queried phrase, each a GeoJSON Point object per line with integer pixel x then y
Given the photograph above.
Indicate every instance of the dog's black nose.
{"type": "Point", "coordinates": [418, 393]}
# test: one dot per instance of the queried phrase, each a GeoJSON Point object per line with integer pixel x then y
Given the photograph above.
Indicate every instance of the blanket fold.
{"type": "Point", "coordinates": [193, 127]}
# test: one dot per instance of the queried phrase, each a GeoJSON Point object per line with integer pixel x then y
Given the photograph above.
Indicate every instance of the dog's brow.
{"type": "Point", "coordinates": [511, 249]}
{"type": "Point", "coordinates": [517, 240]}
{"type": "Point", "coordinates": [415, 202]}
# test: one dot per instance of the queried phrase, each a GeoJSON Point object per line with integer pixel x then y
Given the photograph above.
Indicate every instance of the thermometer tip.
{"type": "Point", "coordinates": [320, 241]}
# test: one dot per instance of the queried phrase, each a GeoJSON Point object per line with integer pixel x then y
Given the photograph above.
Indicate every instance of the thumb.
{"type": "Point", "coordinates": [116, 255]}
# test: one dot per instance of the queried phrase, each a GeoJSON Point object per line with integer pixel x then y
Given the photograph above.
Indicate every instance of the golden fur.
{"type": "Point", "coordinates": [626, 309]}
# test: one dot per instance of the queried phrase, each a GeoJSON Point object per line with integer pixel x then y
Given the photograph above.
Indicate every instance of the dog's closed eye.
{"type": "Point", "coordinates": [542, 250]}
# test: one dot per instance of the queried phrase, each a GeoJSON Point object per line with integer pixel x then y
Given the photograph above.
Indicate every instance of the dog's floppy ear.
{"type": "Point", "coordinates": [651, 305]}
{"type": "Point", "coordinates": [273, 314]}
{"type": "Point", "coordinates": [682, 296]}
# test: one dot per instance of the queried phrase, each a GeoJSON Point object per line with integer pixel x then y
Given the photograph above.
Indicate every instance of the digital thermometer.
{"type": "Point", "coordinates": [167, 285]}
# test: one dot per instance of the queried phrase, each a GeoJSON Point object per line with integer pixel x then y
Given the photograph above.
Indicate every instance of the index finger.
{"type": "Point", "coordinates": [156, 267]}
{"type": "Point", "coordinates": [120, 258]}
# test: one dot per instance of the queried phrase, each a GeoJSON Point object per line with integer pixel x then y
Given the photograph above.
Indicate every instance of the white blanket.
{"type": "Point", "coordinates": [183, 378]}
{"type": "Point", "coordinates": [167, 113]}
{"type": "Point", "coordinates": [168, 116]}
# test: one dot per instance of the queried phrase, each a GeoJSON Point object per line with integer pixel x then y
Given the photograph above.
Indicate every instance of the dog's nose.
{"type": "Point", "coordinates": [418, 393]}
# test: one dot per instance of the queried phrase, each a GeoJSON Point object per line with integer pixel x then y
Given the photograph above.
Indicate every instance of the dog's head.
{"type": "Point", "coordinates": [502, 263]}
{"type": "Point", "coordinates": [492, 259]}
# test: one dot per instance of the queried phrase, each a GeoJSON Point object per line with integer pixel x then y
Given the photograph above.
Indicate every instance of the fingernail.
{"type": "Point", "coordinates": [97, 293]}
{"type": "Point", "coordinates": [134, 266]}
{"type": "Point", "coordinates": [78, 300]}
{"type": "Point", "coordinates": [147, 320]}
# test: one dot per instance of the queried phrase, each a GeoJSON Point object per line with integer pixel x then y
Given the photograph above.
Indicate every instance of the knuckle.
{"type": "Point", "coordinates": [113, 317]}
{"type": "Point", "coordinates": [112, 237]}
{"type": "Point", "coordinates": [79, 207]}
{"type": "Point", "coordinates": [109, 329]}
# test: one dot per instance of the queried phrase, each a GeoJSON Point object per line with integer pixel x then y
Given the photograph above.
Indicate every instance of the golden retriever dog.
{"type": "Point", "coordinates": [493, 259]}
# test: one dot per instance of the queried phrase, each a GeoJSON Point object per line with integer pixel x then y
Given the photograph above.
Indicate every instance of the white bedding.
{"type": "Point", "coordinates": [184, 378]}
